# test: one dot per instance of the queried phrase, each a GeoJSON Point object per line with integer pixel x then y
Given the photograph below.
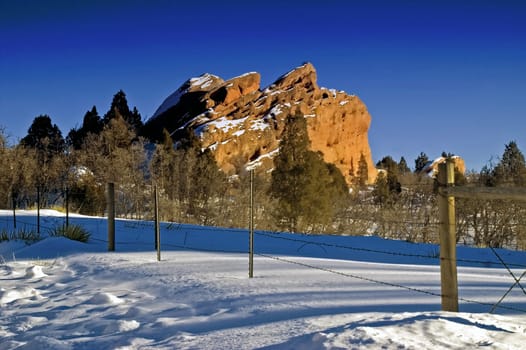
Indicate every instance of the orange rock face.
{"type": "Point", "coordinates": [242, 124]}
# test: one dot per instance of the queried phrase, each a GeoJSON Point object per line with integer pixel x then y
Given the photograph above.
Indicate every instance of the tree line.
{"type": "Point", "coordinates": [303, 193]}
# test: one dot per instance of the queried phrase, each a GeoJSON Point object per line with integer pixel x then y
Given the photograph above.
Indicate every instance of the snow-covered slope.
{"type": "Point", "coordinates": [203, 81]}
{"type": "Point", "coordinates": [309, 292]}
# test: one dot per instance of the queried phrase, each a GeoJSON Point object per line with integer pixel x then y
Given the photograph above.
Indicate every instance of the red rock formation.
{"type": "Point", "coordinates": [242, 125]}
{"type": "Point", "coordinates": [431, 168]}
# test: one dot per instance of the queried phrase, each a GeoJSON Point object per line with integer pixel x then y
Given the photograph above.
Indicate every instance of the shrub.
{"type": "Point", "coordinates": [73, 232]}
{"type": "Point", "coordinates": [4, 235]}
{"type": "Point", "coordinates": [22, 234]}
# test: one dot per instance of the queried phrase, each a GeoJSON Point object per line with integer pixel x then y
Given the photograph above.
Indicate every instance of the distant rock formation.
{"type": "Point", "coordinates": [242, 124]}
{"type": "Point", "coordinates": [431, 168]}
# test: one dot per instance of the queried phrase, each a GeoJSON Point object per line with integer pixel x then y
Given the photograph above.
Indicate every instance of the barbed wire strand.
{"type": "Point", "coordinates": [368, 250]}
{"type": "Point", "coordinates": [394, 285]}
{"type": "Point", "coordinates": [507, 292]}
{"type": "Point", "coordinates": [344, 274]}
{"type": "Point", "coordinates": [275, 235]}
{"type": "Point", "coordinates": [517, 281]}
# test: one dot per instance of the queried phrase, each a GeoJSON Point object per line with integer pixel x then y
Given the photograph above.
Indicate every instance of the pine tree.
{"type": "Point", "coordinates": [381, 191]}
{"type": "Point", "coordinates": [45, 150]}
{"type": "Point", "coordinates": [420, 162]}
{"type": "Point", "coordinates": [119, 106]}
{"type": "Point", "coordinates": [402, 167]}
{"type": "Point", "coordinates": [363, 172]}
{"type": "Point", "coordinates": [44, 136]}
{"type": "Point", "coordinates": [391, 169]}
{"type": "Point", "coordinates": [198, 180]}
{"type": "Point", "coordinates": [512, 167]}
{"type": "Point", "coordinates": [162, 165]}
{"type": "Point", "coordinates": [91, 124]}
{"type": "Point", "coordinates": [135, 121]}
{"type": "Point", "coordinates": [309, 192]}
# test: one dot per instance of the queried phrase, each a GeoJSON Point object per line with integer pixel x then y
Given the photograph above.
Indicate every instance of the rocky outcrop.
{"type": "Point", "coordinates": [431, 168]}
{"type": "Point", "coordinates": [242, 124]}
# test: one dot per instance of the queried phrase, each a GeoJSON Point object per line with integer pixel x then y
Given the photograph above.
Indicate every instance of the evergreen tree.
{"type": "Point", "coordinates": [363, 172]}
{"type": "Point", "coordinates": [389, 165]}
{"type": "Point", "coordinates": [91, 124]}
{"type": "Point", "coordinates": [163, 165]}
{"type": "Point", "coordinates": [119, 106]}
{"type": "Point", "coordinates": [135, 121]}
{"type": "Point", "coordinates": [199, 180]}
{"type": "Point", "coordinates": [309, 192]}
{"type": "Point", "coordinates": [44, 136]}
{"type": "Point", "coordinates": [381, 191]}
{"type": "Point", "coordinates": [420, 162]}
{"type": "Point", "coordinates": [402, 167]}
{"type": "Point", "coordinates": [512, 167]}
{"type": "Point", "coordinates": [45, 151]}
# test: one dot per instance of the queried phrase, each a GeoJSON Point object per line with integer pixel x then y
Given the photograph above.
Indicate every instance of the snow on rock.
{"type": "Point", "coordinates": [257, 162]}
{"type": "Point", "coordinates": [259, 125]}
{"type": "Point", "coordinates": [204, 81]}
{"type": "Point", "coordinates": [225, 125]}
{"type": "Point", "coordinates": [170, 101]}
{"type": "Point", "coordinates": [337, 123]}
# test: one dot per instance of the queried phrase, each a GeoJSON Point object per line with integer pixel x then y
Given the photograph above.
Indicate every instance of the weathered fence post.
{"type": "Point", "coordinates": [67, 206]}
{"type": "Point", "coordinates": [38, 209]}
{"type": "Point", "coordinates": [251, 228]}
{"type": "Point", "coordinates": [447, 232]}
{"type": "Point", "coordinates": [157, 225]}
{"type": "Point", "coordinates": [14, 208]}
{"type": "Point", "coordinates": [110, 199]}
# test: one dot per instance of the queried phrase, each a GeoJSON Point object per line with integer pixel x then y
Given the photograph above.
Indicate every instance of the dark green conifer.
{"type": "Point", "coordinates": [309, 192]}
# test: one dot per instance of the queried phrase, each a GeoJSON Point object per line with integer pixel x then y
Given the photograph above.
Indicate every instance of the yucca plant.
{"type": "Point", "coordinates": [4, 235]}
{"type": "Point", "coordinates": [28, 236]}
{"type": "Point", "coordinates": [73, 232]}
{"type": "Point", "coordinates": [22, 234]}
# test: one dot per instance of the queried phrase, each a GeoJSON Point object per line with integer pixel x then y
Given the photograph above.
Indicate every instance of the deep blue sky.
{"type": "Point", "coordinates": [435, 75]}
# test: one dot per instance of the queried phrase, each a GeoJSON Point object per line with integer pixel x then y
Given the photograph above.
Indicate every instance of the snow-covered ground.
{"type": "Point", "coordinates": [308, 292]}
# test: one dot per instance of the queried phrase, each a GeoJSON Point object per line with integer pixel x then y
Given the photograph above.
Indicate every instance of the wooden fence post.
{"type": "Point", "coordinates": [38, 209]}
{"type": "Point", "coordinates": [447, 232]}
{"type": "Point", "coordinates": [110, 193]}
{"type": "Point", "coordinates": [251, 228]}
{"type": "Point", "coordinates": [67, 206]}
{"type": "Point", "coordinates": [157, 223]}
{"type": "Point", "coordinates": [14, 208]}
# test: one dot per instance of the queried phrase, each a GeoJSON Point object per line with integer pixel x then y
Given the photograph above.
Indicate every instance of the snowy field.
{"type": "Point", "coordinates": [308, 292]}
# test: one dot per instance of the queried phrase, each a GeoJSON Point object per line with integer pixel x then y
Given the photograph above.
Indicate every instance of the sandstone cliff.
{"type": "Point", "coordinates": [242, 124]}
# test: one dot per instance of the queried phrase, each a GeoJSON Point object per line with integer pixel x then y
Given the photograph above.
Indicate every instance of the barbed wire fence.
{"type": "Point", "coordinates": [296, 260]}
{"type": "Point", "coordinates": [433, 258]}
